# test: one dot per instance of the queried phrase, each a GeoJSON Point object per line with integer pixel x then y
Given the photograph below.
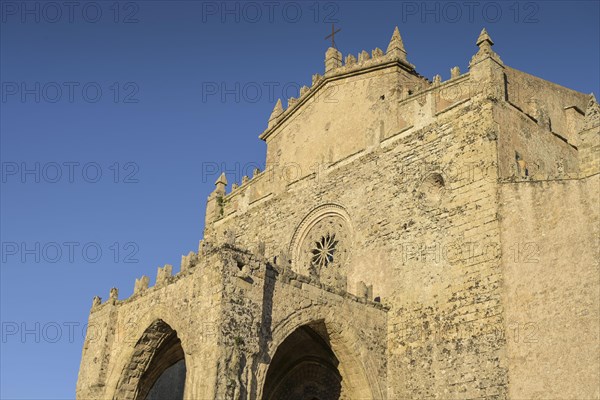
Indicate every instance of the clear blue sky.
{"type": "Point", "coordinates": [135, 93]}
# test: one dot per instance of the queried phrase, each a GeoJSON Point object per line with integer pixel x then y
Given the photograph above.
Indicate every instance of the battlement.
{"type": "Point", "coordinates": [335, 69]}
{"type": "Point", "coordinates": [364, 292]}
{"type": "Point", "coordinates": [398, 222]}
{"type": "Point", "coordinates": [164, 277]}
{"type": "Point", "coordinates": [397, 100]}
{"type": "Point", "coordinates": [416, 110]}
{"type": "Point", "coordinates": [240, 264]}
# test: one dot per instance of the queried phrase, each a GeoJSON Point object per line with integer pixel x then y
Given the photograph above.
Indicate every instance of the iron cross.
{"type": "Point", "coordinates": [332, 35]}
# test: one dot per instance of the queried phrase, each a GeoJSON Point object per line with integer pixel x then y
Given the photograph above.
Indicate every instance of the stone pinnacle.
{"type": "Point", "coordinates": [484, 37]}
{"type": "Point", "coordinates": [396, 43]}
{"type": "Point", "coordinates": [278, 109]}
{"type": "Point", "coordinates": [222, 180]}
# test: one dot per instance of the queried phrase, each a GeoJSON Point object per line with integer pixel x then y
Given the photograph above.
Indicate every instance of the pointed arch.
{"type": "Point", "coordinates": [304, 366]}
{"type": "Point", "coordinates": [157, 356]}
{"type": "Point", "coordinates": [360, 378]}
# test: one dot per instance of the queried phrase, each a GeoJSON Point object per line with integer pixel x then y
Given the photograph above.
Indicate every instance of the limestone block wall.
{"type": "Point", "coordinates": [550, 236]}
{"type": "Point", "coordinates": [403, 112]}
{"type": "Point", "coordinates": [400, 222]}
{"type": "Point", "coordinates": [123, 334]}
{"type": "Point", "coordinates": [230, 310]}
{"type": "Point", "coordinates": [428, 247]}
{"type": "Point", "coordinates": [264, 304]}
{"type": "Point", "coordinates": [337, 121]}
{"type": "Point", "coordinates": [445, 307]}
{"type": "Point", "coordinates": [420, 199]}
{"type": "Point", "coordinates": [547, 102]}
{"type": "Point", "coordinates": [528, 151]}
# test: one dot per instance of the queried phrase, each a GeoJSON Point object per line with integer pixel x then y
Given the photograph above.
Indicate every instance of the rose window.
{"type": "Point", "coordinates": [321, 246]}
{"type": "Point", "coordinates": [323, 251]}
{"type": "Point", "coordinates": [325, 247]}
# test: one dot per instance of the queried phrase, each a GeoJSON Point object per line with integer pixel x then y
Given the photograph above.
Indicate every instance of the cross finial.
{"type": "Point", "coordinates": [332, 35]}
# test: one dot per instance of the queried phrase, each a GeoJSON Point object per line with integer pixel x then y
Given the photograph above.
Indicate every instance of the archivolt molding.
{"type": "Point", "coordinates": [131, 333]}
{"type": "Point", "coordinates": [359, 373]}
{"type": "Point", "coordinates": [309, 221]}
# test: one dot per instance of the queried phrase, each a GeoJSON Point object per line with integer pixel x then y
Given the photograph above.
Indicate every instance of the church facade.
{"type": "Point", "coordinates": [408, 239]}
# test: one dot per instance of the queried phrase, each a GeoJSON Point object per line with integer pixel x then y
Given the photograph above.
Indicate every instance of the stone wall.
{"type": "Point", "coordinates": [264, 304]}
{"type": "Point", "coordinates": [528, 151]}
{"type": "Point", "coordinates": [440, 237]}
{"type": "Point", "coordinates": [419, 193]}
{"type": "Point", "coordinates": [123, 334]}
{"type": "Point", "coordinates": [427, 246]}
{"type": "Point", "coordinates": [548, 103]}
{"type": "Point", "coordinates": [550, 242]}
{"type": "Point", "coordinates": [339, 120]}
{"type": "Point", "coordinates": [230, 310]}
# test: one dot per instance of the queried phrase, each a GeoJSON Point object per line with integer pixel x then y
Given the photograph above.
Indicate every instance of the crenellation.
{"type": "Point", "coordinates": [290, 277]}
{"type": "Point", "coordinates": [188, 261]}
{"type": "Point", "coordinates": [163, 275]}
{"type": "Point", "coordinates": [454, 72]}
{"type": "Point", "coordinates": [361, 290]}
{"type": "Point", "coordinates": [377, 53]}
{"type": "Point", "coordinates": [316, 79]}
{"type": "Point", "coordinates": [304, 90]}
{"type": "Point", "coordinates": [335, 70]}
{"type": "Point", "coordinates": [245, 195]}
{"type": "Point", "coordinates": [589, 140]}
{"type": "Point", "coordinates": [141, 284]}
{"type": "Point", "coordinates": [333, 60]}
{"type": "Point", "coordinates": [449, 198]}
{"type": "Point", "coordinates": [350, 60]}
{"type": "Point", "coordinates": [363, 57]}
{"type": "Point", "coordinates": [592, 113]}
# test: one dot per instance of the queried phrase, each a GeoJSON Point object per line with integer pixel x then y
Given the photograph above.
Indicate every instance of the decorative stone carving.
{"type": "Point", "coordinates": [321, 245]}
{"type": "Point", "coordinates": [323, 251]}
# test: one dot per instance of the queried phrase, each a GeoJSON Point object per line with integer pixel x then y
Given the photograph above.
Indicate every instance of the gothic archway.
{"type": "Point", "coordinates": [157, 368]}
{"type": "Point", "coordinates": [304, 368]}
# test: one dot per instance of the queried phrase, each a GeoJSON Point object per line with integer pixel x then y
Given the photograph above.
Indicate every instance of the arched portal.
{"type": "Point", "coordinates": [304, 368]}
{"type": "Point", "coordinates": [157, 368]}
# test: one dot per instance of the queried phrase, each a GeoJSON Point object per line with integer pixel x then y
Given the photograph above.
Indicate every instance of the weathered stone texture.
{"type": "Point", "coordinates": [550, 233]}
{"type": "Point", "coordinates": [392, 232]}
